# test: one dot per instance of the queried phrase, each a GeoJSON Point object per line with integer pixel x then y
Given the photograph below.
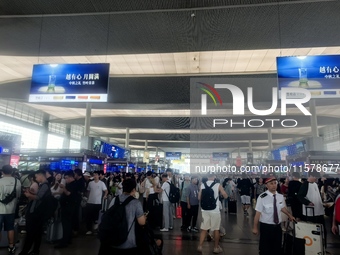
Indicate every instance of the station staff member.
{"type": "Point", "coordinates": [268, 211]}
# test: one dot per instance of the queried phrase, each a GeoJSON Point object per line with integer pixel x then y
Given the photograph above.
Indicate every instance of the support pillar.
{"type": "Point", "coordinates": [146, 157]}
{"type": "Point", "coordinates": [43, 136]}
{"type": "Point", "coordinates": [270, 139]}
{"type": "Point", "coordinates": [88, 119]}
{"type": "Point", "coordinates": [85, 140]}
{"type": "Point", "coordinates": [313, 119]}
{"type": "Point", "coordinates": [127, 138]}
{"type": "Point", "coordinates": [67, 139]}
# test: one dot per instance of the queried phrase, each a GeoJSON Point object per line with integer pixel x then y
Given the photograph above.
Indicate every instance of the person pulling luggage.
{"type": "Point", "coordinates": [268, 208]}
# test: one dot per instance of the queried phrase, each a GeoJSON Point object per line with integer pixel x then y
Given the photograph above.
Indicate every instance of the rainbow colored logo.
{"type": "Point", "coordinates": [211, 91]}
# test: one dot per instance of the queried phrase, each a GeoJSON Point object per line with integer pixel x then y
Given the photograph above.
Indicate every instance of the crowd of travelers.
{"type": "Point", "coordinates": [152, 202]}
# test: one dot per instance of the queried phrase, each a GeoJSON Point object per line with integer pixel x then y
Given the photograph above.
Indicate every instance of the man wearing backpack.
{"type": "Point", "coordinates": [117, 229]}
{"type": "Point", "coordinates": [167, 212]}
{"type": "Point", "coordinates": [10, 191]}
{"type": "Point", "coordinates": [211, 216]}
{"type": "Point", "coordinates": [35, 215]}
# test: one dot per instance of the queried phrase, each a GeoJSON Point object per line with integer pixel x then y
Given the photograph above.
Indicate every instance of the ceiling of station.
{"type": "Point", "coordinates": [154, 48]}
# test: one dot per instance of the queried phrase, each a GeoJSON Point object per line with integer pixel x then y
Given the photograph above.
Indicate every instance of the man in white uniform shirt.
{"type": "Point", "coordinates": [268, 208]}
{"type": "Point", "coordinates": [94, 202]}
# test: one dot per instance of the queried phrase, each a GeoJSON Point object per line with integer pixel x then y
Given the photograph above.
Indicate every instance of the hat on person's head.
{"type": "Point", "coordinates": [87, 174]}
{"type": "Point", "coordinates": [270, 179]}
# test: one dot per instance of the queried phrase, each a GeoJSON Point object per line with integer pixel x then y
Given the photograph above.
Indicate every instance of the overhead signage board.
{"type": "Point", "coordinates": [173, 155]}
{"type": "Point", "coordinates": [220, 155]}
{"type": "Point", "coordinates": [5, 150]}
{"type": "Point", "coordinates": [69, 83]}
{"type": "Point", "coordinates": [319, 74]}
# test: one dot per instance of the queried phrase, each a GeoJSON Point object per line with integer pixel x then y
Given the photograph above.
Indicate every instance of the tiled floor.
{"type": "Point", "coordinates": [239, 240]}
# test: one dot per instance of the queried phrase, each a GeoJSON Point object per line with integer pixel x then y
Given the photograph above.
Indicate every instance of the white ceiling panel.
{"type": "Point", "coordinates": [214, 62]}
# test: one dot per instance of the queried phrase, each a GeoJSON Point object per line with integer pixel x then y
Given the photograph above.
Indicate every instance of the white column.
{"type": "Point", "coordinates": [127, 138]}
{"type": "Point", "coordinates": [270, 139]}
{"type": "Point", "coordinates": [88, 119]}
{"type": "Point", "coordinates": [67, 139]}
{"type": "Point", "coordinates": [250, 146]}
{"type": "Point", "coordinates": [313, 119]}
{"type": "Point", "coordinates": [43, 136]}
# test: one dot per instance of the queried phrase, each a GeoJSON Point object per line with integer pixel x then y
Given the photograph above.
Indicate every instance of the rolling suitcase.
{"type": "Point", "coordinates": [232, 206]}
{"type": "Point", "coordinates": [179, 212]}
{"type": "Point", "coordinates": [54, 231]}
{"type": "Point", "coordinates": [312, 235]}
{"type": "Point", "coordinates": [105, 206]}
{"type": "Point", "coordinates": [4, 239]}
{"type": "Point", "coordinates": [291, 244]}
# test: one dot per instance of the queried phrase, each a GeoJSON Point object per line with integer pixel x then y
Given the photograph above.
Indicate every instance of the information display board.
{"type": "Point", "coordinates": [319, 74]}
{"type": "Point", "coordinates": [69, 83]}
{"type": "Point", "coordinates": [173, 155]}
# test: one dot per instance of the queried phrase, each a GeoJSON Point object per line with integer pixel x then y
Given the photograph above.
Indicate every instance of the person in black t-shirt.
{"type": "Point", "coordinates": [68, 208]}
{"type": "Point", "coordinates": [244, 187]}
{"type": "Point", "coordinates": [80, 185]}
{"type": "Point", "coordinates": [292, 199]}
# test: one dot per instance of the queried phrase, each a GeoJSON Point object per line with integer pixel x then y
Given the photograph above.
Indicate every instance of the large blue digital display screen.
{"type": "Point", "coordinates": [289, 150]}
{"type": "Point", "coordinates": [319, 74]}
{"type": "Point", "coordinates": [70, 83]}
{"type": "Point", "coordinates": [113, 151]}
{"type": "Point", "coordinates": [63, 165]}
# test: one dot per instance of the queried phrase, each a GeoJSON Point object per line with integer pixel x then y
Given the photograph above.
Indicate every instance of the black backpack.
{"type": "Point", "coordinates": [114, 229]}
{"type": "Point", "coordinates": [9, 197]}
{"type": "Point", "coordinates": [174, 194]}
{"type": "Point", "coordinates": [208, 200]}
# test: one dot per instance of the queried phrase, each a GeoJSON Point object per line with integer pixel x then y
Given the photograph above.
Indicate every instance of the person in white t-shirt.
{"type": "Point", "coordinates": [7, 211]}
{"type": "Point", "coordinates": [167, 210]}
{"type": "Point", "coordinates": [94, 202]}
{"type": "Point", "coordinates": [312, 206]}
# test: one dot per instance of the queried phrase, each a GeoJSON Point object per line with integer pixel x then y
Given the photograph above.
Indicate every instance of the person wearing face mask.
{"type": "Point", "coordinates": [268, 208]}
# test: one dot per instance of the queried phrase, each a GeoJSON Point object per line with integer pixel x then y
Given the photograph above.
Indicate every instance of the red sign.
{"type": "Point", "coordinates": [105, 167]}
{"type": "Point", "coordinates": [238, 162]}
{"type": "Point", "coordinates": [14, 161]}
